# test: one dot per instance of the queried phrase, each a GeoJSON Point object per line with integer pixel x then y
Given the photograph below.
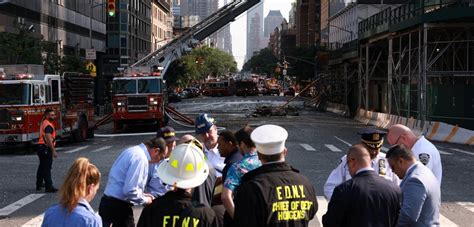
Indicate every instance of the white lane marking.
{"type": "Point", "coordinates": [34, 222]}
{"type": "Point", "coordinates": [307, 147]}
{"type": "Point", "coordinates": [59, 148]}
{"type": "Point", "coordinates": [444, 152]}
{"type": "Point", "coordinates": [444, 221]}
{"type": "Point", "coordinates": [103, 140]}
{"type": "Point", "coordinates": [19, 204]}
{"type": "Point", "coordinates": [101, 149]}
{"type": "Point", "coordinates": [77, 149]}
{"type": "Point", "coordinates": [322, 208]}
{"type": "Point", "coordinates": [462, 151]}
{"type": "Point", "coordinates": [332, 148]}
{"type": "Point", "coordinates": [148, 133]}
{"type": "Point", "coordinates": [467, 205]}
{"type": "Point", "coordinates": [347, 143]}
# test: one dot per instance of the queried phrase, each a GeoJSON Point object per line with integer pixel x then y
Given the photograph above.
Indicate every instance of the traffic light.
{"type": "Point", "coordinates": [111, 8]}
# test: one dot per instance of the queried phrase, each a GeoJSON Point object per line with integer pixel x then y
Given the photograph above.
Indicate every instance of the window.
{"type": "Point", "coordinates": [36, 94]}
{"type": "Point", "coordinates": [55, 90]}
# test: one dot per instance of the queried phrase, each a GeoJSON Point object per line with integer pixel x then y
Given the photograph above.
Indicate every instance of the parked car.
{"type": "Point", "coordinates": [192, 92]}
{"type": "Point", "coordinates": [289, 92]}
{"type": "Point", "coordinates": [174, 97]}
{"type": "Point", "coordinates": [184, 94]}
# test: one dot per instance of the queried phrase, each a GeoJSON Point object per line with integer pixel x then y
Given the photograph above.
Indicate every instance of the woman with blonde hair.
{"type": "Point", "coordinates": [79, 188]}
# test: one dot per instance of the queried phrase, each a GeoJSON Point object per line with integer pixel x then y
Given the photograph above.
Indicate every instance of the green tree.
{"type": "Point", "coordinates": [199, 64]}
{"type": "Point", "coordinates": [263, 63]}
{"type": "Point", "coordinates": [299, 66]}
{"type": "Point", "coordinates": [20, 48]}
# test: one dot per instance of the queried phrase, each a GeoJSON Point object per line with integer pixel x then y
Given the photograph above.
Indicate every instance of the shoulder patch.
{"type": "Point", "coordinates": [382, 169]}
{"type": "Point", "coordinates": [424, 158]}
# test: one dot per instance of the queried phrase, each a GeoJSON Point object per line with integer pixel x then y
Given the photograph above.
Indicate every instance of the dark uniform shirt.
{"type": "Point", "coordinates": [234, 157]}
{"type": "Point", "coordinates": [275, 195]}
{"type": "Point", "coordinates": [175, 209]}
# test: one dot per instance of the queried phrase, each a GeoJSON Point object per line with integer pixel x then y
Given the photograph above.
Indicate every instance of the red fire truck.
{"type": "Point", "coordinates": [137, 97]}
{"type": "Point", "coordinates": [218, 87]}
{"type": "Point", "coordinates": [26, 92]}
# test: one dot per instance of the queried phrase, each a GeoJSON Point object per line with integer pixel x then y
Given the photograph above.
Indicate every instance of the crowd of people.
{"type": "Point", "coordinates": [242, 179]}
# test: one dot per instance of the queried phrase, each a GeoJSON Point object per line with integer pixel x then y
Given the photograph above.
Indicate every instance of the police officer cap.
{"type": "Point", "coordinates": [204, 122]}
{"type": "Point", "coordinates": [372, 137]}
{"type": "Point", "coordinates": [269, 139]}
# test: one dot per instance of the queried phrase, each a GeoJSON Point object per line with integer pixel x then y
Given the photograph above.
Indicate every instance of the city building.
{"type": "Point", "coordinates": [272, 20]}
{"type": "Point", "coordinates": [254, 31]}
{"type": "Point", "coordinates": [161, 24]}
{"type": "Point", "coordinates": [307, 22]}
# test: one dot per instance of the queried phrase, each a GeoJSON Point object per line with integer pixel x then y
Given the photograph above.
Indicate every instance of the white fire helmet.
{"type": "Point", "coordinates": [186, 168]}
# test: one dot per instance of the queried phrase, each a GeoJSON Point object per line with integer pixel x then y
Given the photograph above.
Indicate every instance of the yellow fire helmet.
{"type": "Point", "coordinates": [186, 168]}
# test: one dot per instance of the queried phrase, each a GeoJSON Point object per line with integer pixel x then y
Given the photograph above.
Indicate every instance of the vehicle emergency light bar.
{"type": "Point", "coordinates": [23, 76]}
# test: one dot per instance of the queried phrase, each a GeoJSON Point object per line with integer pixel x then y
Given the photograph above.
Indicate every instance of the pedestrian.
{"type": "Point", "coordinates": [46, 150]}
{"type": "Point", "coordinates": [274, 194]}
{"type": "Point", "coordinates": [206, 133]}
{"type": "Point", "coordinates": [185, 170]}
{"type": "Point", "coordinates": [186, 138]}
{"type": "Point", "coordinates": [366, 199]}
{"type": "Point", "coordinates": [229, 150]}
{"type": "Point", "coordinates": [424, 150]}
{"type": "Point", "coordinates": [78, 190]}
{"type": "Point", "coordinates": [127, 181]}
{"type": "Point", "coordinates": [248, 163]}
{"type": "Point", "coordinates": [372, 139]}
{"type": "Point", "coordinates": [420, 189]}
{"type": "Point", "coordinates": [169, 135]}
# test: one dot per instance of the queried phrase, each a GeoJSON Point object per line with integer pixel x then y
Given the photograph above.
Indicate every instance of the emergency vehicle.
{"type": "Point", "coordinates": [272, 87]}
{"type": "Point", "coordinates": [137, 97]}
{"type": "Point", "coordinates": [219, 87]}
{"type": "Point", "coordinates": [26, 92]}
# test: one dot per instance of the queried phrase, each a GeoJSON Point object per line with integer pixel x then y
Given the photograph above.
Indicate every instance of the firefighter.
{"type": "Point", "coordinates": [274, 194]}
{"type": "Point", "coordinates": [372, 140]}
{"type": "Point", "coordinates": [185, 170]}
{"type": "Point", "coordinates": [46, 151]}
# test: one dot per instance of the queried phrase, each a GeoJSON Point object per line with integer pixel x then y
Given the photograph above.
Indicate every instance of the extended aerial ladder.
{"type": "Point", "coordinates": [193, 36]}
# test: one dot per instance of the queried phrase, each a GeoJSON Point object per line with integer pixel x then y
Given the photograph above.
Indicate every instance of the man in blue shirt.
{"type": "Point", "coordinates": [127, 181]}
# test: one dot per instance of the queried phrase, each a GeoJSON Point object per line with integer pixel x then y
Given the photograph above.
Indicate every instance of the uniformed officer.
{"type": "Point", "coordinates": [424, 150]}
{"type": "Point", "coordinates": [184, 170]}
{"type": "Point", "coordinates": [46, 150]}
{"type": "Point", "coordinates": [274, 194]}
{"type": "Point", "coordinates": [373, 140]}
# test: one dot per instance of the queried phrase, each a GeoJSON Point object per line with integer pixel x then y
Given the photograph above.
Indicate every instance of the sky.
{"type": "Point", "coordinates": [239, 43]}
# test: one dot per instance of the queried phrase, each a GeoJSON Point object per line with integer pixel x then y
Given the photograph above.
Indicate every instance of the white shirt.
{"type": "Point", "coordinates": [341, 173]}
{"type": "Point", "coordinates": [426, 153]}
{"type": "Point", "coordinates": [214, 157]}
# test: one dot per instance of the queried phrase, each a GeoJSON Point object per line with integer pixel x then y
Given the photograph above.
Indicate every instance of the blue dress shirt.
{"type": "Point", "coordinates": [81, 216]}
{"type": "Point", "coordinates": [156, 186]}
{"type": "Point", "coordinates": [128, 175]}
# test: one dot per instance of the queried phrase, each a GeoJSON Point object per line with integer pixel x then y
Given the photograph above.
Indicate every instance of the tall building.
{"type": "Point", "coordinates": [254, 30]}
{"type": "Point", "coordinates": [161, 23]}
{"type": "Point", "coordinates": [193, 11]}
{"type": "Point", "coordinates": [273, 20]}
{"type": "Point", "coordinates": [307, 22]}
{"type": "Point", "coordinates": [224, 38]}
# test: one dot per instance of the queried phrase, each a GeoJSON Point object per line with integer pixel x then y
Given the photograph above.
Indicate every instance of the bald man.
{"type": "Point", "coordinates": [366, 199]}
{"type": "Point", "coordinates": [424, 150]}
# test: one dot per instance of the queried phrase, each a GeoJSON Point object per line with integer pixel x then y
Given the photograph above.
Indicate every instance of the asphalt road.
{"type": "Point", "coordinates": [316, 142]}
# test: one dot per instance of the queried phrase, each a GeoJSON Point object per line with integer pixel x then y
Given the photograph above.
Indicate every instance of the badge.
{"type": "Point", "coordinates": [382, 169]}
{"type": "Point", "coordinates": [376, 137]}
{"type": "Point", "coordinates": [424, 158]}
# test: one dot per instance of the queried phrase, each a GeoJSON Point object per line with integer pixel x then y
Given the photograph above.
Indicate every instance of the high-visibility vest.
{"type": "Point", "coordinates": [42, 134]}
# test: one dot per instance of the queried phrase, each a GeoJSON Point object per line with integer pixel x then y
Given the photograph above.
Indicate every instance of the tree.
{"type": "Point", "coordinates": [264, 62]}
{"type": "Point", "coordinates": [301, 69]}
{"type": "Point", "coordinates": [20, 48]}
{"type": "Point", "coordinates": [200, 63]}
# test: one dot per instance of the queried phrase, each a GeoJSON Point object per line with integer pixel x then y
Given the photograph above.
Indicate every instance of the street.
{"type": "Point", "coordinates": [316, 142]}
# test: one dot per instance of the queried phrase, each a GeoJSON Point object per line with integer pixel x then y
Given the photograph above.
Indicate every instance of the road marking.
{"type": "Point", "coordinates": [322, 208]}
{"type": "Point", "coordinates": [444, 152]}
{"type": "Point", "coordinates": [101, 149]}
{"type": "Point", "coordinates": [77, 149]}
{"type": "Point", "coordinates": [347, 143]}
{"type": "Point", "coordinates": [19, 204]}
{"type": "Point", "coordinates": [307, 147]}
{"type": "Point", "coordinates": [444, 221]}
{"type": "Point", "coordinates": [467, 205]}
{"type": "Point", "coordinates": [462, 151]}
{"type": "Point", "coordinates": [332, 148]}
{"type": "Point", "coordinates": [59, 148]}
{"type": "Point", "coordinates": [34, 222]}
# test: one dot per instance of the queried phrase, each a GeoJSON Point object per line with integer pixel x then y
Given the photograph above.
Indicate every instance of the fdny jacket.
{"type": "Point", "coordinates": [275, 194]}
{"type": "Point", "coordinates": [175, 209]}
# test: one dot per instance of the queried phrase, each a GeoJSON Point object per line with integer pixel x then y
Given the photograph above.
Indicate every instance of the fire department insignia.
{"type": "Point", "coordinates": [424, 158]}
{"type": "Point", "coordinates": [382, 169]}
{"type": "Point", "coordinates": [376, 137]}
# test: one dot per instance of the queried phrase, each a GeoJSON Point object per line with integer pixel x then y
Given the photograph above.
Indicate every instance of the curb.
{"type": "Point", "coordinates": [433, 130]}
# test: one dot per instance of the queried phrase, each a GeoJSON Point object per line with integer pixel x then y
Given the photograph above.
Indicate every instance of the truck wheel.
{"type": "Point", "coordinates": [80, 135]}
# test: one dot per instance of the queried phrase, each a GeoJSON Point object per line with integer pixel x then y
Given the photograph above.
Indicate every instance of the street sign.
{"type": "Point", "coordinates": [90, 54]}
{"type": "Point", "coordinates": [92, 69]}
{"type": "Point", "coordinates": [284, 72]}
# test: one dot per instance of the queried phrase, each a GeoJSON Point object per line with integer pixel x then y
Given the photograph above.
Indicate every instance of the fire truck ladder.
{"type": "Point", "coordinates": [178, 116]}
{"type": "Point", "coordinates": [191, 38]}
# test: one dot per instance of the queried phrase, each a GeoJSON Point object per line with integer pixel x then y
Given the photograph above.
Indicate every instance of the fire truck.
{"type": "Point", "coordinates": [272, 86]}
{"type": "Point", "coordinates": [26, 92]}
{"type": "Point", "coordinates": [137, 97]}
{"type": "Point", "coordinates": [219, 87]}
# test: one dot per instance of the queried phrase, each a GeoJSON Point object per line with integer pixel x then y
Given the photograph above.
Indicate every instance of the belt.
{"type": "Point", "coordinates": [119, 201]}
